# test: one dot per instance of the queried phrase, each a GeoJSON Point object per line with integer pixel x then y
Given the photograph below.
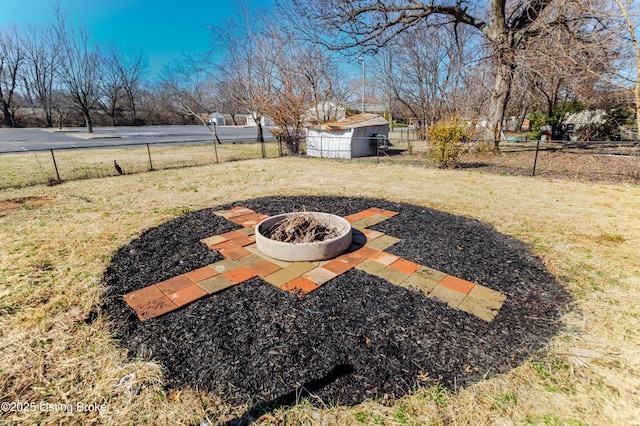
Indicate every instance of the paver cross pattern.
{"type": "Point", "coordinates": [243, 261]}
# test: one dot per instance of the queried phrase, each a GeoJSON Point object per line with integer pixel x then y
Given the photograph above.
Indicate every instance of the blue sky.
{"type": "Point", "coordinates": [162, 29]}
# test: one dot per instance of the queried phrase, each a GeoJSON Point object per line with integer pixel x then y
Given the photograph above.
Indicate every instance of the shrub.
{"type": "Point", "coordinates": [447, 141]}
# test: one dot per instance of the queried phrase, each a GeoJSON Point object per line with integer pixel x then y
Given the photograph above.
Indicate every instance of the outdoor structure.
{"type": "Point", "coordinates": [347, 138]}
{"type": "Point", "coordinates": [217, 119]}
{"type": "Point", "coordinates": [264, 121]}
{"type": "Point", "coordinates": [578, 124]}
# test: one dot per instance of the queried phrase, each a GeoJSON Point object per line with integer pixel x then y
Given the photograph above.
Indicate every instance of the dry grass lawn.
{"type": "Point", "coordinates": [56, 347]}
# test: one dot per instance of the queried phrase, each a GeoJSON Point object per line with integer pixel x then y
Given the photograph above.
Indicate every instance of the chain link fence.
{"type": "Point", "coordinates": [33, 167]}
{"type": "Point", "coordinates": [611, 161]}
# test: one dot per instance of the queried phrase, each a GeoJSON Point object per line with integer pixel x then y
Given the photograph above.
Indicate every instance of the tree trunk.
{"type": "Point", "coordinates": [498, 101]}
{"type": "Point", "coordinates": [6, 115]}
{"type": "Point", "coordinates": [87, 118]}
{"type": "Point", "coordinates": [520, 118]}
{"type": "Point", "coordinates": [636, 96]}
{"type": "Point", "coordinates": [48, 115]}
{"type": "Point", "coordinates": [260, 137]}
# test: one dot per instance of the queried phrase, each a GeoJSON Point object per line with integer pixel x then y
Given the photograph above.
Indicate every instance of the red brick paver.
{"type": "Point", "coordinates": [232, 235]}
{"type": "Point", "coordinates": [201, 274]}
{"type": "Point", "coordinates": [340, 265]}
{"type": "Point", "coordinates": [234, 253]}
{"type": "Point", "coordinates": [142, 295]}
{"type": "Point", "coordinates": [174, 284]}
{"type": "Point", "coordinates": [456, 284]}
{"type": "Point", "coordinates": [300, 284]}
{"type": "Point", "coordinates": [265, 268]}
{"type": "Point", "coordinates": [187, 295]}
{"type": "Point", "coordinates": [405, 266]}
{"type": "Point", "coordinates": [304, 277]}
{"type": "Point", "coordinates": [240, 274]}
{"type": "Point", "coordinates": [149, 302]}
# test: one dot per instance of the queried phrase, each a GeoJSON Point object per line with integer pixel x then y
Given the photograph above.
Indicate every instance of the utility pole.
{"type": "Point", "coordinates": [361, 59]}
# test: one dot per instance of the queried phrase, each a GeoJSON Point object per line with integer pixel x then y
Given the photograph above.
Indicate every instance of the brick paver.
{"type": "Point", "coordinates": [265, 268]}
{"type": "Point", "coordinates": [215, 284]}
{"type": "Point", "coordinates": [244, 261]}
{"type": "Point", "coordinates": [300, 284]}
{"type": "Point", "coordinates": [239, 274]}
{"type": "Point", "coordinates": [187, 295]}
{"type": "Point", "coordinates": [201, 274]}
{"type": "Point", "coordinates": [174, 284]}
{"type": "Point", "coordinates": [320, 275]}
{"type": "Point", "coordinates": [456, 284]}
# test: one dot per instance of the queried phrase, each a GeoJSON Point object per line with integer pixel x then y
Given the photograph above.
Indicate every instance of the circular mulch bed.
{"type": "Point", "coordinates": [354, 338]}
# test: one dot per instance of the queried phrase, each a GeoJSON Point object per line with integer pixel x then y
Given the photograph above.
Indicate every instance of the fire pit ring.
{"type": "Point", "coordinates": [305, 252]}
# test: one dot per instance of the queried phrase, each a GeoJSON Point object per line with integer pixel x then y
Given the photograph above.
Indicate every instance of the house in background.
{"type": "Point", "coordinates": [347, 138]}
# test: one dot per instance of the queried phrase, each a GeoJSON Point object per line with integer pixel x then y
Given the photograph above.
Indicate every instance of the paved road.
{"type": "Point", "coordinates": [12, 140]}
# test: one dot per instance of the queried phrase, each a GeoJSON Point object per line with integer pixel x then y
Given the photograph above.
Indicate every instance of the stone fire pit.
{"type": "Point", "coordinates": [305, 252]}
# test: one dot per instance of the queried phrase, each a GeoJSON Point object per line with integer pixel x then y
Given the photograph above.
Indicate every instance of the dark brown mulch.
{"type": "Point", "coordinates": [356, 337]}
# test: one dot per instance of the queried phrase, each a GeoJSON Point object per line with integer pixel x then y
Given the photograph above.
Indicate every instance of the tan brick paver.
{"type": "Point", "coordinates": [243, 261]}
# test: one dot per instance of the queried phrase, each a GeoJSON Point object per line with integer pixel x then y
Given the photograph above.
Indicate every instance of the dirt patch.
{"type": "Point", "coordinates": [24, 203]}
{"type": "Point", "coordinates": [559, 165]}
{"type": "Point", "coordinates": [598, 162]}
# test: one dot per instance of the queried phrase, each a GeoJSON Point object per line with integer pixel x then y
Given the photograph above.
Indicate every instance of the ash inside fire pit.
{"type": "Point", "coordinates": [301, 228]}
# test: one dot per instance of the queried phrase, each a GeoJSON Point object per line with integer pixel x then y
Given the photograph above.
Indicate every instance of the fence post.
{"type": "Point", "coordinates": [149, 154]}
{"type": "Point", "coordinates": [215, 149]}
{"type": "Point", "coordinates": [55, 165]}
{"type": "Point", "coordinates": [535, 159]}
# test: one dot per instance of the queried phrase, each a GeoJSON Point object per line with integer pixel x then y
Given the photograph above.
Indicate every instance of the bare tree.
{"type": "Point", "coordinates": [292, 87]}
{"type": "Point", "coordinates": [424, 71]}
{"type": "Point", "coordinates": [384, 72]}
{"type": "Point", "coordinates": [132, 67]}
{"type": "Point", "coordinates": [226, 100]}
{"type": "Point", "coordinates": [507, 27]}
{"type": "Point", "coordinates": [319, 73]}
{"type": "Point", "coordinates": [156, 105]}
{"type": "Point", "coordinates": [192, 92]}
{"type": "Point", "coordinates": [80, 68]}
{"type": "Point", "coordinates": [632, 22]}
{"type": "Point", "coordinates": [41, 63]}
{"type": "Point", "coordinates": [622, 44]}
{"type": "Point", "coordinates": [246, 63]}
{"type": "Point", "coordinates": [111, 84]}
{"type": "Point", "coordinates": [12, 56]}
{"type": "Point", "coordinates": [63, 104]}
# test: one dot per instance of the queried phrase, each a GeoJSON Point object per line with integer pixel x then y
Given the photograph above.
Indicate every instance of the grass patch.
{"type": "Point", "coordinates": [56, 347]}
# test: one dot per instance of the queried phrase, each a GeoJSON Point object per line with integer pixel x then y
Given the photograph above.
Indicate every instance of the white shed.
{"type": "Point", "coordinates": [347, 138]}
{"type": "Point", "coordinates": [264, 121]}
{"type": "Point", "coordinates": [217, 119]}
